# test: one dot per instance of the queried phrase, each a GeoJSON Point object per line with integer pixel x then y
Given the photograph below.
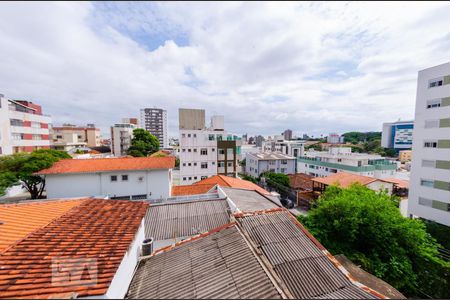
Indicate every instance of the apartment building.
{"type": "Point", "coordinates": [121, 135]}
{"type": "Point", "coordinates": [88, 134]}
{"type": "Point", "coordinates": [335, 138]}
{"type": "Point", "coordinates": [429, 196]}
{"type": "Point", "coordinates": [23, 127]}
{"type": "Point", "coordinates": [154, 120]}
{"type": "Point", "coordinates": [278, 144]}
{"type": "Point", "coordinates": [257, 163]}
{"type": "Point", "coordinates": [337, 159]}
{"type": "Point", "coordinates": [206, 151]}
{"type": "Point", "coordinates": [287, 134]}
{"type": "Point", "coordinates": [397, 135]}
{"type": "Point", "coordinates": [259, 141]}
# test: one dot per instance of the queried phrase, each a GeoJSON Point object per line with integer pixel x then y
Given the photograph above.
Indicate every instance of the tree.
{"type": "Point", "coordinates": [275, 179]}
{"type": "Point", "coordinates": [248, 178]}
{"type": "Point", "coordinates": [143, 143]}
{"type": "Point", "coordinates": [19, 168]}
{"type": "Point", "coordinates": [368, 228]}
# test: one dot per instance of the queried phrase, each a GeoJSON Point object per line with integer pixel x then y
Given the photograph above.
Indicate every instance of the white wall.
{"type": "Point", "coordinates": [155, 182]}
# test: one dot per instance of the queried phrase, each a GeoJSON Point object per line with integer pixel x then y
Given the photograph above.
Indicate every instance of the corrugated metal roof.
{"type": "Point", "coordinates": [217, 266]}
{"type": "Point", "coordinates": [304, 268]}
{"type": "Point", "coordinates": [247, 200]}
{"type": "Point", "coordinates": [173, 220]}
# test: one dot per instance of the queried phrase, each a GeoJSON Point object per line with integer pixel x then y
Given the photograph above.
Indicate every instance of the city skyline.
{"type": "Point", "coordinates": [312, 67]}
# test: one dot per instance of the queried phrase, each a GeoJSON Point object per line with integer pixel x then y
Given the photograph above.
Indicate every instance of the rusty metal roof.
{"type": "Point", "coordinates": [174, 220]}
{"type": "Point", "coordinates": [218, 266]}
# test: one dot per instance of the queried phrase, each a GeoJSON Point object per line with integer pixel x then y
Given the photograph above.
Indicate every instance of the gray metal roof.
{"type": "Point", "coordinates": [174, 220]}
{"type": "Point", "coordinates": [304, 268]}
{"type": "Point", "coordinates": [218, 266]}
{"type": "Point", "coordinates": [248, 200]}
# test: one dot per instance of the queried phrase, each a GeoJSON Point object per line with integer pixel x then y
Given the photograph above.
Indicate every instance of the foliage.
{"type": "Point", "coordinates": [317, 147]}
{"type": "Point", "coordinates": [243, 162]}
{"type": "Point", "coordinates": [21, 167]}
{"type": "Point", "coordinates": [79, 151]}
{"type": "Point", "coordinates": [143, 143]}
{"type": "Point", "coordinates": [355, 137]}
{"type": "Point", "coordinates": [177, 162]}
{"type": "Point", "coordinates": [368, 228]}
{"type": "Point", "coordinates": [249, 178]}
{"type": "Point", "coordinates": [276, 178]}
{"type": "Point", "coordinates": [440, 232]}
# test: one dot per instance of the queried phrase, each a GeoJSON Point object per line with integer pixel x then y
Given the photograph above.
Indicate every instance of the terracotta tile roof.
{"type": "Point", "coordinates": [109, 164]}
{"type": "Point", "coordinates": [344, 179]}
{"type": "Point", "coordinates": [403, 184]}
{"type": "Point", "coordinates": [237, 183]}
{"type": "Point", "coordinates": [98, 232]}
{"type": "Point", "coordinates": [195, 189]}
{"type": "Point", "coordinates": [300, 181]}
{"type": "Point", "coordinates": [19, 220]}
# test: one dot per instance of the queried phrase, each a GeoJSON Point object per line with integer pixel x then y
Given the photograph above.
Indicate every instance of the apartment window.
{"type": "Point", "coordinates": [230, 164]}
{"type": "Point", "coordinates": [211, 137]}
{"type": "Point", "coordinates": [113, 177]}
{"type": "Point", "coordinates": [17, 136]}
{"type": "Point", "coordinates": [16, 122]}
{"type": "Point", "coordinates": [221, 164]}
{"type": "Point", "coordinates": [184, 164]}
{"type": "Point", "coordinates": [124, 177]}
{"type": "Point", "coordinates": [204, 165]}
{"type": "Point", "coordinates": [219, 137]}
{"type": "Point", "coordinates": [203, 151]}
{"type": "Point", "coordinates": [339, 159]}
{"type": "Point", "coordinates": [426, 182]}
{"type": "Point", "coordinates": [59, 136]}
{"type": "Point", "coordinates": [189, 150]}
{"type": "Point", "coordinates": [195, 149]}
{"type": "Point", "coordinates": [435, 82]}
{"type": "Point", "coordinates": [284, 162]}
{"type": "Point", "coordinates": [190, 178]}
{"type": "Point", "coordinates": [428, 163]}
{"type": "Point", "coordinates": [184, 150]}
{"type": "Point", "coordinates": [283, 170]}
{"type": "Point", "coordinates": [183, 135]}
{"type": "Point", "coordinates": [434, 103]}
{"type": "Point", "coordinates": [203, 177]}
{"type": "Point", "coordinates": [272, 170]}
{"type": "Point", "coordinates": [189, 135]}
{"type": "Point", "coordinates": [221, 151]}
{"type": "Point", "coordinates": [272, 162]}
{"type": "Point", "coordinates": [184, 178]}
{"type": "Point", "coordinates": [195, 164]}
{"type": "Point", "coordinates": [195, 135]}
{"type": "Point", "coordinates": [213, 150]}
{"type": "Point", "coordinates": [229, 152]}
{"type": "Point", "coordinates": [213, 163]}
{"type": "Point", "coordinates": [195, 177]}
{"type": "Point", "coordinates": [431, 123]}
{"type": "Point", "coordinates": [434, 204]}
{"type": "Point", "coordinates": [430, 144]}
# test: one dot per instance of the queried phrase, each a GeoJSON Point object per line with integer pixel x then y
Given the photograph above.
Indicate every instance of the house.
{"type": "Point", "coordinates": [302, 184]}
{"type": "Point", "coordinates": [264, 254]}
{"type": "Point", "coordinates": [344, 180]}
{"type": "Point", "coordinates": [258, 163]}
{"type": "Point", "coordinates": [70, 248]}
{"type": "Point", "coordinates": [124, 177]}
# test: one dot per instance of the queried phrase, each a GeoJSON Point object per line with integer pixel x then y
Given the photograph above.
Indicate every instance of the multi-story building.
{"type": "Point", "coordinates": [134, 121]}
{"type": "Point", "coordinates": [259, 141]}
{"type": "Point", "coordinates": [154, 120]}
{"type": "Point", "coordinates": [397, 135]}
{"type": "Point", "coordinates": [257, 163]}
{"type": "Point", "coordinates": [121, 135]}
{"type": "Point", "coordinates": [287, 134]}
{"type": "Point", "coordinates": [206, 151]}
{"type": "Point", "coordinates": [278, 144]}
{"type": "Point", "coordinates": [88, 134]}
{"type": "Point", "coordinates": [325, 163]}
{"type": "Point", "coordinates": [334, 138]}
{"type": "Point", "coordinates": [23, 127]}
{"type": "Point", "coordinates": [429, 195]}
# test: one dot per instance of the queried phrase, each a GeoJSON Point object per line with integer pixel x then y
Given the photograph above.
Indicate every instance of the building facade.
{"type": "Point", "coordinates": [23, 127]}
{"type": "Point", "coordinates": [429, 196]}
{"type": "Point", "coordinates": [121, 135]}
{"type": "Point", "coordinates": [397, 135]}
{"type": "Point", "coordinates": [257, 163]}
{"type": "Point", "coordinates": [334, 138]}
{"type": "Point", "coordinates": [287, 134]}
{"type": "Point", "coordinates": [291, 148]}
{"type": "Point", "coordinates": [88, 134]}
{"type": "Point", "coordinates": [336, 159]}
{"type": "Point", "coordinates": [205, 151]}
{"type": "Point", "coordinates": [154, 120]}
{"type": "Point", "coordinates": [259, 140]}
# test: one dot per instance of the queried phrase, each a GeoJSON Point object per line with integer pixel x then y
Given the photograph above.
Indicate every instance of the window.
{"type": "Point", "coordinates": [230, 164]}
{"type": "Point", "coordinates": [184, 164]}
{"type": "Point", "coordinates": [184, 150]}
{"type": "Point", "coordinates": [17, 136]}
{"type": "Point", "coordinates": [190, 178]}
{"type": "Point", "coordinates": [339, 159]}
{"type": "Point", "coordinates": [183, 135]}
{"type": "Point", "coordinates": [195, 149]}
{"type": "Point", "coordinates": [189, 135]}
{"type": "Point", "coordinates": [434, 204]}
{"type": "Point", "coordinates": [189, 150]}
{"type": "Point", "coordinates": [16, 122]}
{"type": "Point", "coordinates": [204, 165]}
{"type": "Point", "coordinates": [435, 82]}
{"type": "Point", "coordinates": [113, 177]}
{"type": "Point", "coordinates": [189, 164]}
{"type": "Point", "coordinates": [195, 177]}
{"type": "Point", "coordinates": [184, 178]}
{"type": "Point", "coordinates": [195, 164]}
{"type": "Point", "coordinates": [425, 182]}
{"type": "Point", "coordinates": [211, 137]}
{"type": "Point", "coordinates": [195, 135]}
{"type": "Point", "coordinates": [213, 163]}
{"type": "Point", "coordinates": [283, 170]}
{"type": "Point", "coordinates": [35, 125]}
{"type": "Point", "coordinates": [59, 136]}
{"type": "Point", "coordinates": [431, 123]}
{"type": "Point", "coordinates": [213, 149]}
{"type": "Point", "coordinates": [203, 177]}
{"type": "Point", "coordinates": [221, 151]}
{"type": "Point", "coordinates": [229, 152]}
{"type": "Point", "coordinates": [430, 144]}
{"type": "Point", "coordinates": [284, 161]}
{"type": "Point", "coordinates": [221, 164]}
{"type": "Point", "coordinates": [124, 177]}
{"type": "Point", "coordinates": [434, 103]}
{"type": "Point", "coordinates": [36, 137]}
{"type": "Point", "coordinates": [203, 151]}
{"type": "Point", "coordinates": [80, 137]}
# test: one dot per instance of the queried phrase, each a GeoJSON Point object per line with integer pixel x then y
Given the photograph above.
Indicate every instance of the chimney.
{"type": "Point", "coordinates": [147, 247]}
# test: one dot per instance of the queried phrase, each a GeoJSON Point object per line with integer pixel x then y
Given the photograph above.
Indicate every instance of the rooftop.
{"type": "Point", "coordinates": [226, 181]}
{"type": "Point", "coordinates": [300, 181]}
{"type": "Point", "coordinates": [93, 230]}
{"type": "Point", "coordinates": [109, 164]}
{"type": "Point", "coordinates": [247, 200]}
{"type": "Point", "coordinates": [270, 156]}
{"type": "Point", "coordinates": [194, 189]}
{"type": "Point", "coordinates": [344, 179]}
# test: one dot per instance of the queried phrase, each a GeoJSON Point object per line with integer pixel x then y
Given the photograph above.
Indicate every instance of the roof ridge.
{"type": "Point", "coordinates": [39, 201]}
{"type": "Point", "coordinates": [11, 246]}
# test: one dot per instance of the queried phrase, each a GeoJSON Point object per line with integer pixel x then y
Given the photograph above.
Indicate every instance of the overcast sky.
{"type": "Point", "coordinates": [311, 67]}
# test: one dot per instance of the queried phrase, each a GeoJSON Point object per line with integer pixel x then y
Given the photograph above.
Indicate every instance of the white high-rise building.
{"type": "Point", "coordinates": [121, 135]}
{"type": "Point", "coordinates": [429, 195]}
{"type": "Point", "coordinates": [154, 120]}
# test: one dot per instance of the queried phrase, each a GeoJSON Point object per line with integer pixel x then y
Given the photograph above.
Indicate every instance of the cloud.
{"type": "Point", "coordinates": [312, 67]}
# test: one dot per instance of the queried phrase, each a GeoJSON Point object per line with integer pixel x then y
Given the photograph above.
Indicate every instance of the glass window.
{"type": "Point", "coordinates": [203, 151]}
{"type": "Point", "coordinates": [221, 164]}
{"type": "Point", "coordinates": [434, 103]}
{"type": "Point", "coordinates": [124, 177]}
{"type": "Point", "coordinates": [195, 149]}
{"type": "Point", "coordinates": [183, 135]}
{"type": "Point", "coordinates": [113, 177]}
{"type": "Point", "coordinates": [230, 164]}
{"type": "Point", "coordinates": [425, 182]}
{"type": "Point", "coordinates": [204, 165]}
{"type": "Point", "coordinates": [189, 135]}
{"type": "Point", "coordinates": [211, 137]}
{"type": "Point", "coordinates": [221, 151]}
{"type": "Point", "coordinates": [189, 150]}
{"type": "Point", "coordinates": [430, 144]}
{"type": "Point", "coordinates": [16, 122]}
{"type": "Point", "coordinates": [435, 82]}
{"type": "Point", "coordinates": [195, 135]}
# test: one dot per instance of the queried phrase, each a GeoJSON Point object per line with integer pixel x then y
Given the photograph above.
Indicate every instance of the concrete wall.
{"type": "Point", "coordinates": [191, 119]}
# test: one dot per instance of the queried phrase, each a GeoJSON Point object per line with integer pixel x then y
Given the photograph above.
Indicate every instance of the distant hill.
{"type": "Point", "coordinates": [356, 137]}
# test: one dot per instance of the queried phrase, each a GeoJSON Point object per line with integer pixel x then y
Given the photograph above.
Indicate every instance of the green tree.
{"type": "Point", "coordinates": [20, 168]}
{"type": "Point", "coordinates": [275, 179]}
{"type": "Point", "coordinates": [316, 147]}
{"type": "Point", "coordinates": [368, 228]}
{"type": "Point", "coordinates": [249, 178]}
{"type": "Point", "coordinates": [143, 143]}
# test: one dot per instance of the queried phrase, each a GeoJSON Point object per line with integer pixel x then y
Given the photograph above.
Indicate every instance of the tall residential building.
{"type": "Point", "coordinates": [205, 151]}
{"type": "Point", "coordinates": [334, 138]}
{"type": "Point", "coordinates": [397, 135]}
{"type": "Point", "coordinates": [429, 194]}
{"type": "Point", "coordinates": [23, 127]}
{"type": "Point", "coordinates": [287, 134]}
{"type": "Point", "coordinates": [88, 134]}
{"type": "Point", "coordinates": [121, 135]}
{"type": "Point", "coordinates": [336, 159]}
{"type": "Point", "coordinates": [259, 140]}
{"type": "Point", "coordinates": [154, 120]}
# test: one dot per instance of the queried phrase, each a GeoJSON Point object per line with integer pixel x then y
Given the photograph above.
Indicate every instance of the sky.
{"type": "Point", "coordinates": [310, 67]}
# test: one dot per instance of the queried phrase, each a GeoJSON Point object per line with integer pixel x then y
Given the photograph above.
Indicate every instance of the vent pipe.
{"type": "Point", "coordinates": [147, 247]}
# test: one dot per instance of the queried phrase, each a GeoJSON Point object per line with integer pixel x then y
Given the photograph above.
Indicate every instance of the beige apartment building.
{"type": "Point", "coordinates": [88, 134]}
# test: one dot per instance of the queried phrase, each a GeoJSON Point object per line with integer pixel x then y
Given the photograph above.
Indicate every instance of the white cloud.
{"type": "Point", "coordinates": [311, 67]}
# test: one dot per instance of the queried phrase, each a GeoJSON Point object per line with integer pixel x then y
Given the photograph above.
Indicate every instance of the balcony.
{"type": "Point", "coordinates": [373, 165]}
